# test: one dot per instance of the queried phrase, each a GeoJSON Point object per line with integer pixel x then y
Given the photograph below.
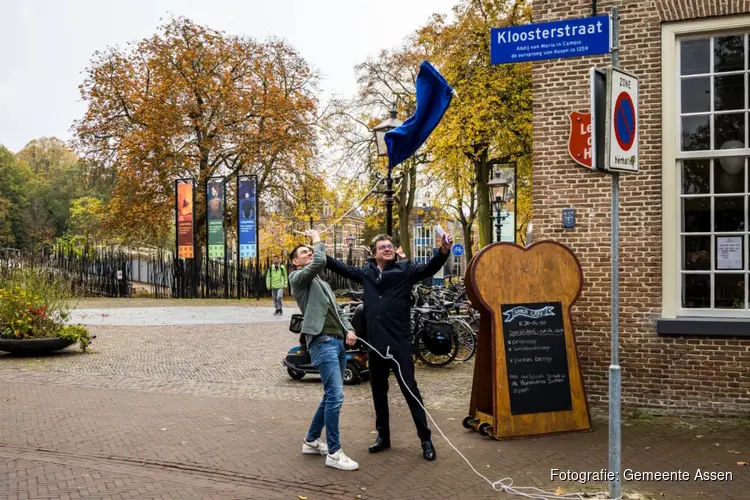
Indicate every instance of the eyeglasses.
{"type": "Point", "coordinates": [385, 247]}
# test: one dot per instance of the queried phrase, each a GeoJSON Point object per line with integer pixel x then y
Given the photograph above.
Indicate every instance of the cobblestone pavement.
{"type": "Point", "coordinates": [207, 411]}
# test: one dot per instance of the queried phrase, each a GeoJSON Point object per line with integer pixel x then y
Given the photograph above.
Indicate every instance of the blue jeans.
{"type": "Point", "coordinates": [329, 356]}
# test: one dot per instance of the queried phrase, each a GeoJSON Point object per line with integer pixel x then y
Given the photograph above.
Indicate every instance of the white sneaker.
{"type": "Point", "coordinates": [340, 461]}
{"type": "Point", "coordinates": [316, 447]}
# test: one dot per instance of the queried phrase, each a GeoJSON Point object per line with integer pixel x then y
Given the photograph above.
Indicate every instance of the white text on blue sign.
{"type": "Point", "coordinates": [533, 42]}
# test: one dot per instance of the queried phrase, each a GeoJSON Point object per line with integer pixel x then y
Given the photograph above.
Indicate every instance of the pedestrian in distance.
{"type": "Point", "coordinates": [276, 281]}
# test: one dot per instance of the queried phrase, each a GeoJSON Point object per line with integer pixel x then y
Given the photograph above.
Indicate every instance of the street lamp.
{"type": "Point", "coordinates": [379, 131]}
{"type": "Point", "coordinates": [499, 189]}
{"type": "Point", "coordinates": [350, 241]}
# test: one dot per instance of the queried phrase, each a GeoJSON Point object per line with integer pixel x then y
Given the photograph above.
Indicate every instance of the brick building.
{"type": "Point", "coordinates": [684, 313]}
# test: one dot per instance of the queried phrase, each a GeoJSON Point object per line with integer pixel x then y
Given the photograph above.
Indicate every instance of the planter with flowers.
{"type": "Point", "coordinates": [34, 311]}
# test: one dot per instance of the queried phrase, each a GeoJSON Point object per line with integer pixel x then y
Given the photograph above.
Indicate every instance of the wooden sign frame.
{"type": "Point", "coordinates": [503, 274]}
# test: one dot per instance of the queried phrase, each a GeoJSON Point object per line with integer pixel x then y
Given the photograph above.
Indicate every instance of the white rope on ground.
{"type": "Point", "coordinates": [501, 485]}
{"type": "Point", "coordinates": [347, 212]}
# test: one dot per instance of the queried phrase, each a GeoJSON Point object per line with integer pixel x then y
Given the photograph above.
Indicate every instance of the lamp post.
{"type": "Point", "coordinates": [499, 189]}
{"type": "Point", "coordinates": [350, 241]}
{"type": "Point", "coordinates": [379, 131]}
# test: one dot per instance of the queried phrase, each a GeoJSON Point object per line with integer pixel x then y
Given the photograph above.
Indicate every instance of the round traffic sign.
{"type": "Point", "coordinates": [458, 249]}
{"type": "Point", "coordinates": [624, 119]}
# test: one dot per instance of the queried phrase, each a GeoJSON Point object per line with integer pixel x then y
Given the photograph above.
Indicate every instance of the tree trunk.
{"type": "Point", "coordinates": [468, 227]}
{"type": "Point", "coordinates": [484, 209]}
{"type": "Point", "coordinates": [407, 192]}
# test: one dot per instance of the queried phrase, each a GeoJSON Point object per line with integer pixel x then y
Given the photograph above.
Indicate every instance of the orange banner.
{"type": "Point", "coordinates": [185, 221]}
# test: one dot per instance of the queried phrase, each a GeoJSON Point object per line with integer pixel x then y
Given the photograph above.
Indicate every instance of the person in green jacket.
{"type": "Point", "coordinates": [276, 281]}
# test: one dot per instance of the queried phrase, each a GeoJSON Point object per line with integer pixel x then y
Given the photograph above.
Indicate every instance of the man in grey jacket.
{"type": "Point", "coordinates": [326, 330]}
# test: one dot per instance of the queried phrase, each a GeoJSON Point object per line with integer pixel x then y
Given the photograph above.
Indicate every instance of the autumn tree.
{"type": "Point", "coordinates": [13, 182]}
{"type": "Point", "coordinates": [190, 101]}
{"type": "Point", "coordinates": [37, 183]}
{"type": "Point", "coordinates": [87, 218]}
{"type": "Point", "coordinates": [6, 230]}
{"type": "Point", "coordinates": [490, 122]}
{"type": "Point", "coordinates": [57, 177]}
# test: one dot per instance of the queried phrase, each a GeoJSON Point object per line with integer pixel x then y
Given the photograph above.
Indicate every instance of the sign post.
{"type": "Point", "coordinates": [615, 486]}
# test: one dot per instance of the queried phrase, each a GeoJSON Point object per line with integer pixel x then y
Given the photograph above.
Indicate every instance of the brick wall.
{"type": "Point", "coordinates": [665, 374]}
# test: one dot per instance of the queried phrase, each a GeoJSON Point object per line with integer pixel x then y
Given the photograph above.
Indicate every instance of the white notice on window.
{"type": "Point", "coordinates": [729, 253]}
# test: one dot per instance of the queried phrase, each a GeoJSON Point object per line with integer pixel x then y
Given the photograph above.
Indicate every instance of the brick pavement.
{"type": "Point", "coordinates": [208, 412]}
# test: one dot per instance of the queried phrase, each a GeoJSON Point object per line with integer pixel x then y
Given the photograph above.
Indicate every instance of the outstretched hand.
{"type": "Point", "coordinates": [447, 243]}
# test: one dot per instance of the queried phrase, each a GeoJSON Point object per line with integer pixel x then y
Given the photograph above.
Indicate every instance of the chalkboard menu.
{"type": "Point", "coordinates": [536, 357]}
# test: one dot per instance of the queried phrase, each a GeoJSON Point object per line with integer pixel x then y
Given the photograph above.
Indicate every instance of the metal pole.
{"type": "Point", "coordinates": [515, 202]}
{"type": "Point", "coordinates": [498, 224]}
{"type": "Point", "coordinates": [238, 260]}
{"type": "Point", "coordinates": [389, 204]}
{"type": "Point", "coordinates": [257, 238]}
{"type": "Point", "coordinates": [176, 223]}
{"type": "Point", "coordinates": [224, 231]}
{"type": "Point", "coordinates": [204, 289]}
{"type": "Point", "coordinates": [196, 264]}
{"type": "Point", "coordinates": [615, 485]}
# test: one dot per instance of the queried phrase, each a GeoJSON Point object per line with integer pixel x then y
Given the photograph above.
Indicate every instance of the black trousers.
{"type": "Point", "coordinates": [379, 369]}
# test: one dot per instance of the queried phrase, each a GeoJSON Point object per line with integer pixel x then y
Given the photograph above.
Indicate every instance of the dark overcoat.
{"type": "Point", "coordinates": [387, 297]}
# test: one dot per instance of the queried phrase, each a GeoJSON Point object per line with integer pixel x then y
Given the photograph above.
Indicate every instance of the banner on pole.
{"type": "Point", "coordinates": [185, 218]}
{"type": "Point", "coordinates": [215, 217]}
{"type": "Point", "coordinates": [247, 217]}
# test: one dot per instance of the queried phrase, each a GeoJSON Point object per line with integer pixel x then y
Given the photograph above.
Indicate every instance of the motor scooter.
{"type": "Point", "coordinates": [298, 363]}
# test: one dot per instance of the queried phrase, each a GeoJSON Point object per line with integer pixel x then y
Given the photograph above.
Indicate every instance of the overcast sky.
{"type": "Point", "coordinates": [45, 45]}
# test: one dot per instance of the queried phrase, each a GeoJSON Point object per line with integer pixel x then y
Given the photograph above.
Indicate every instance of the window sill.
{"type": "Point", "coordinates": [707, 327]}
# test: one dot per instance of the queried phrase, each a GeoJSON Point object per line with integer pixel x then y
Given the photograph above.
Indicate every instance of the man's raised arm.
{"type": "Point", "coordinates": [349, 272]}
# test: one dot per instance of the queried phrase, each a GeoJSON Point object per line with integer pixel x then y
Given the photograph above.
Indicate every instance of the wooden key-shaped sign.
{"type": "Point", "coordinates": [527, 379]}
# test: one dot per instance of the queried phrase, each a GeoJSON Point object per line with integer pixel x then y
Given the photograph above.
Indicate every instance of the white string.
{"type": "Point", "coordinates": [502, 485]}
{"type": "Point", "coordinates": [347, 212]}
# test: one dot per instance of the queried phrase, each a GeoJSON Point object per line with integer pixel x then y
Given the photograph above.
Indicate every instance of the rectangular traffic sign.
{"type": "Point", "coordinates": [621, 142]}
{"type": "Point", "coordinates": [557, 39]}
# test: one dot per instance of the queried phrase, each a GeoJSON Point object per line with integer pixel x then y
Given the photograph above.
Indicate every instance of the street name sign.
{"type": "Point", "coordinates": [552, 40]}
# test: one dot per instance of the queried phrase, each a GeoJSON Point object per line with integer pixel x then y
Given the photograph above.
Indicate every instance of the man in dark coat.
{"type": "Point", "coordinates": [387, 298]}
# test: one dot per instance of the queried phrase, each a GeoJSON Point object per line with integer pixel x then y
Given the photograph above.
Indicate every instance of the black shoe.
{"type": "Point", "coordinates": [380, 445]}
{"type": "Point", "coordinates": [428, 450]}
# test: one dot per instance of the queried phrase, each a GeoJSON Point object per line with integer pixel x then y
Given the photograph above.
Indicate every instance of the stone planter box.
{"type": "Point", "coordinates": [33, 347]}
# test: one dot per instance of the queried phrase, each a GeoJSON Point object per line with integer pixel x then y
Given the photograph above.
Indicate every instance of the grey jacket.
{"type": "Point", "coordinates": [313, 295]}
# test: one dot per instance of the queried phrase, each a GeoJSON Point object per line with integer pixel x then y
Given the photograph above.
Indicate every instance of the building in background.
{"type": "Point", "coordinates": [346, 238]}
{"type": "Point", "coordinates": [684, 313]}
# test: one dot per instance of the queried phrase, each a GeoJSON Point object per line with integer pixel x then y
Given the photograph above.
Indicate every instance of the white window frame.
{"type": "Point", "coordinates": [671, 153]}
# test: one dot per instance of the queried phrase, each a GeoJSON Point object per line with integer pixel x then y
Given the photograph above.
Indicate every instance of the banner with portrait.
{"type": "Point", "coordinates": [215, 217]}
{"type": "Point", "coordinates": [185, 218]}
{"type": "Point", "coordinates": [247, 217]}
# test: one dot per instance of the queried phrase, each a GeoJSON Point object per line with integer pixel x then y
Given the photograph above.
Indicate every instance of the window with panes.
{"type": "Point", "coordinates": [714, 180]}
